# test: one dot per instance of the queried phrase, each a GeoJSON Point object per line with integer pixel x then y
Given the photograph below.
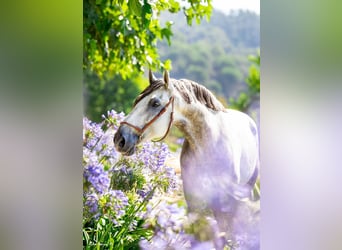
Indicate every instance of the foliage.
{"type": "Point", "coordinates": [101, 95]}
{"type": "Point", "coordinates": [120, 36]}
{"type": "Point", "coordinates": [246, 99]}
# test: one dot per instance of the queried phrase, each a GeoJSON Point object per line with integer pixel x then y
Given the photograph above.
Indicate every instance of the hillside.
{"type": "Point", "coordinates": [214, 54]}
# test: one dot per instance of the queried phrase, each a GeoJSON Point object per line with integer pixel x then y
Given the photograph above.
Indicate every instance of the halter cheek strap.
{"type": "Point", "coordinates": [162, 111]}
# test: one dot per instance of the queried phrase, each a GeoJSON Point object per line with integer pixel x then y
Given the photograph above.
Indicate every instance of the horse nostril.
{"type": "Point", "coordinates": [125, 141]}
{"type": "Point", "coordinates": [119, 140]}
{"type": "Point", "coordinates": [121, 143]}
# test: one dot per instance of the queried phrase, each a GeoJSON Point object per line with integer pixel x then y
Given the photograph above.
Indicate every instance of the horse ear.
{"type": "Point", "coordinates": [166, 79]}
{"type": "Point", "coordinates": [151, 77]}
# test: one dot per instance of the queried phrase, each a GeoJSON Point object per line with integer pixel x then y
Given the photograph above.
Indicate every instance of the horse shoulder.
{"type": "Point", "coordinates": [243, 137]}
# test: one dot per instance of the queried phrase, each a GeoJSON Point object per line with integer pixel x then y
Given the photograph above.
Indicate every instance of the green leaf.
{"type": "Point", "coordinates": [135, 7]}
{"type": "Point", "coordinates": [174, 6]}
{"type": "Point", "coordinates": [167, 33]}
{"type": "Point", "coordinates": [146, 13]}
{"type": "Point", "coordinates": [168, 65]}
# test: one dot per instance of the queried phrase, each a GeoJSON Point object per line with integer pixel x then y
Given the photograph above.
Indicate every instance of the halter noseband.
{"type": "Point", "coordinates": [162, 111]}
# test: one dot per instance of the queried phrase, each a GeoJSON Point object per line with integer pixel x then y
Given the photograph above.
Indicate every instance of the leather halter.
{"type": "Point", "coordinates": [162, 111]}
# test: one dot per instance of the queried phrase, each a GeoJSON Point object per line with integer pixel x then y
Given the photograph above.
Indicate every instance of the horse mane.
{"type": "Point", "coordinates": [189, 91]}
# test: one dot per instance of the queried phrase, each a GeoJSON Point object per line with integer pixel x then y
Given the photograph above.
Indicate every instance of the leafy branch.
{"type": "Point", "coordinates": [120, 36]}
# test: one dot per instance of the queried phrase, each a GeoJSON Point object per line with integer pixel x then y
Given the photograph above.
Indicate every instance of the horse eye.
{"type": "Point", "coordinates": [155, 103]}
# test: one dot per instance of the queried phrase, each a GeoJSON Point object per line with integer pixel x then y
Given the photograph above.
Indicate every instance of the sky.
{"type": "Point", "coordinates": [227, 5]}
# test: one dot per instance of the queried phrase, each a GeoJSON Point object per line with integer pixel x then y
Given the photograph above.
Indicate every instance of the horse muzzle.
{"type": "Point", "coordinates": [125, 140]}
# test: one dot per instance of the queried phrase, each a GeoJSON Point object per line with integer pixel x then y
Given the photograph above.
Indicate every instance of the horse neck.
{"type": "Point", "coordinates": [193, 121]}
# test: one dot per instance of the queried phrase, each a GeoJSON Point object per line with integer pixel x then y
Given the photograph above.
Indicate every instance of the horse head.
{"type": "Point", "coordinates": [151, 116]}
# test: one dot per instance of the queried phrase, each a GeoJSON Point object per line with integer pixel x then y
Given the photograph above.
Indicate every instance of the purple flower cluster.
{"type": "Point", "coordinates": [98, 155]}
{"type": "Point", "coordinates": [246, 228]}
{"type": "Point", "coordinates": [105, 169]}
{"type": "Point", "coordinates": [167, 220]}
{"type": "Point", "coordinates": [97, 177]}
{"type": "Point", "coordinates": [152, 156]}
{"type": "Point", "coordinates": [92, 202]}
{"type": "Point", "coordinates": [92, 133]}
{"type": "Point", "coordinates": [113, 118]}
{"type": "Point", "coordinates": [168, 216]}
{"type": "Point", "coordinates": [115, 202]}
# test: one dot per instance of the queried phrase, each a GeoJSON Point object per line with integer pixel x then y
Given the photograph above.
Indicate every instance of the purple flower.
{"type": "Point", "coordinates": [167, 216]}
{"type": "Point", "coordinates": [113, 118]}
{"type": "Point", "coordinates": [105, 147]}
{"type": "Point", "coordinates": [246, 228]}
{"type": "Point", "coordinates": [92, 202]}
{"type": "Point", "coordinates": [92, 133]}
{"type": "Point", "coordinates": [180, 141]}
{"type": "Point", "coordinates": [205, 245]}
{"type": "Point", "coordinates": [153, 155]}
{"type": "Point", "coordinates": [98, 178]}
{"type": "Point", "coordinates": [173, 179]}
{"type": "Point", "coordinates": [142, 193]}
{"type": "Point", "coordinates": [169, 240]}
{"type": "Point", "coordinates": [90, 157]}
{"type": "Point", "coordinates": [118, 202]}
{"type": "Point", "coordinates": [116, 205]}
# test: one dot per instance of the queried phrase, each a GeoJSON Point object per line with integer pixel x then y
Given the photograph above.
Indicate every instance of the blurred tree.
{"type": "Point", "coordinates": [229, 77]}
{"type": "Point", "coordinates": [247, 98]}
{"type": "Point", "coordinates": [101, 95]}
{"type": "Point", "coordinates": [120, 36]}
{"type": "Point", "coordinates": [214, 54]}
{"type": "Point", "coordinates": [197, 73]}
{"type": "Point", "coordinates": [242, 27]}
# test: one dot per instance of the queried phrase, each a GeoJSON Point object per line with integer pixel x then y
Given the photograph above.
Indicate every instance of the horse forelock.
{"type": "Point", "coordinates": [190, 90]}
{"type": "Point", "coordinates": [156, 84]}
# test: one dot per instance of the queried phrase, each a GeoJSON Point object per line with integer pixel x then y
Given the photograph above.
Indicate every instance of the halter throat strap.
{"type": "Point", "coordinates": [161, 112]}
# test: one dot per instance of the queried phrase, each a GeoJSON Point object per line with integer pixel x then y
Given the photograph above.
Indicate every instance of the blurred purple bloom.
{"type": "Point", "coordinates": [180, 141]}
{"type": "Point", "coordinates": [172, 177]}
{"type": "Point", "coordinates": [169, 217]}
{"type": "Point", "coordinates": [169, 240]}
{"type": "Point", "coordinates": [205, 245]}
{"type": "Point", "coordinates": [246, 228]}
{"type": "Point", "coordinates": [142, 193]}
